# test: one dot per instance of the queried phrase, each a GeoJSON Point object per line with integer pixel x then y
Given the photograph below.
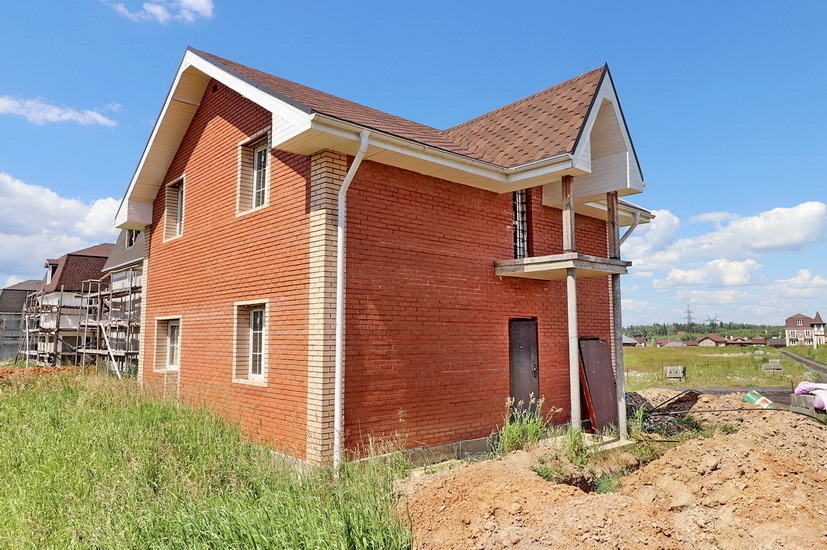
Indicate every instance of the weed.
{"type": "Point", "coordinates": [551, 472]}
{"type": "Point", "coordinates": [523, 425]}
{"type": "Point", "coordinates": [574, 447]}
{"type": "Point", "coordinates": [608, 483]}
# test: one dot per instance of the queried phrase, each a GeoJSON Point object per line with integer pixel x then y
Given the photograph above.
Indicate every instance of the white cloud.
{"type": "Point", "coordinates": [41, 112]}
{"type": "Point", "coordinates": [38, 224]}
{"type": "Point", "coordinates": [743, 238]}
{"type": "Point", "coordinates": [718, 272]}
{"type": "Point", "coordinates": [805, 279]}
{"type": "Point", "coordinates": [164, 11]}
{"type": "Point", "coordinates": [714, 217]}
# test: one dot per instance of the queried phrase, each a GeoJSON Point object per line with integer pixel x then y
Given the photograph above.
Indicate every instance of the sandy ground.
{"type": "Point", "coordinates": [757, 488]}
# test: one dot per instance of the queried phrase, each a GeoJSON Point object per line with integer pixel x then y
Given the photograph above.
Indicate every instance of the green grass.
{"type": "Point", "coordinates": [819, 354]}
{"type": "Point", "coordinates": [523, 425]}
{"type": "Point", "coordinates": [87, 461]}
{"type": "Point", "coordinates": [707, 367]}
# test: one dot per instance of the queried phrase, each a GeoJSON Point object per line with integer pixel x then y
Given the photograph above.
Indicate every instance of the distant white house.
{"type": "Point", "coordinates": [801, 330]}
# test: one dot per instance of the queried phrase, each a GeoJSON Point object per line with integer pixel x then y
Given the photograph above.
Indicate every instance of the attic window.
{"type": "Point", "coordinates": [799, 322]}
{"type": "Point", "coordinates": [254, 172]}
{"type": "Point", "coordinates": [174, 209]}
{"type": "Point", "coordinates": [131, 235]}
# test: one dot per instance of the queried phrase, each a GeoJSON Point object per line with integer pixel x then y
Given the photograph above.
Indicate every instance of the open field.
{"type": "Point", "coordinates": [717, 366]}
{"type": "Point", "coordinates": [87, 461]}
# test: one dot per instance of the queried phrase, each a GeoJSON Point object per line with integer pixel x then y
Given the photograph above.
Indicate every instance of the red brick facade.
{"type": "Point", "coordinates": [426, 347]}
{"type": "Point", "coordinates": [427, 319]}
{"type": "Point", "coordinates": [222, 258]}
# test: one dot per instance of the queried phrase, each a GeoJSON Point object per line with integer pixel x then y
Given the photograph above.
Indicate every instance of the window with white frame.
{"type": "Point", "coordinates": [254, 172]}
{"type": "Point", "coordinates": [168, 344]}
{"type": "Point", "coordinates": [174, 209]}
{"type": "Point", "coordinates": [250, 357]}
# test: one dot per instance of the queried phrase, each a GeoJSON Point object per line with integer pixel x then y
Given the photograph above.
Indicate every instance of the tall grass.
{"type": "Point", "coordinates": [87, 461]}
{"type": "Point", "coordinates": [819, 354]}
{"type": "Point", "coordinates": [708, 367]}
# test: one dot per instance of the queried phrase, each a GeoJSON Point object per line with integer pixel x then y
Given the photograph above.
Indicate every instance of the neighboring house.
{"type": "Point", "coordinates": [633, 342]}
{"type": "Point", "coordinates": [801, 330]}
{"type": "Point", "coordinates": [777, 342]}
{"type": "Point", "coordinates": [740, 341]}
{"type": "Point", "coordinates": [12, 301]}
{"type": "Point", "coordinates": [478, 258]}
{"type": "Point", "coordinates": [52, 315]}
{"type": "Point", "coordinates": [712, 340]}
{"type": "Point", "coordinates": [111, 307]}
{"type": "Point", "coordinates": [668, 342]}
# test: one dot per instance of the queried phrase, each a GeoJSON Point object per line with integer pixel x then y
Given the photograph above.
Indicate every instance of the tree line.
{"type": "Point", "coordinates": [691, 331]}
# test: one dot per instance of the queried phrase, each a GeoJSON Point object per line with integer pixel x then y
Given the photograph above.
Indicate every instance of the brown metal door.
{"type": "Point", "coordinates": [598, 383]}
{"type": "Point", "coordinates": [525, 376]}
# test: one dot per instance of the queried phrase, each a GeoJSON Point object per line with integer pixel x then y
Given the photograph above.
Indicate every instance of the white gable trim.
{"type": "Point", "coordinates": [296, 128]}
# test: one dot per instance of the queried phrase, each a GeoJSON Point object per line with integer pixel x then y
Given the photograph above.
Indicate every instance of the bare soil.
{"type": "Point", "coordinates": [760, 487]}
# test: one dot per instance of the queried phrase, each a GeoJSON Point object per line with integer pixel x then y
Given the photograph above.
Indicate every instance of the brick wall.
{"type": "Point", "coordinates": [427, 350]}
{"type": "Point", "coordinates": [427, 320]}
{"type": "Point", "coordinates": [223, 258]}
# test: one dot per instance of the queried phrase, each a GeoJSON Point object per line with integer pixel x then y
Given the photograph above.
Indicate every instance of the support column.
{"type": "Point", "coordinates": [327, 171]}
{"type": "Point", "coordinates": [571, 305]}
{"type": "Point", "coordinates": [613, 227]}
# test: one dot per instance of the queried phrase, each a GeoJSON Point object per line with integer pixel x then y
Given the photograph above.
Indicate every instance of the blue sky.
{"type": "Point", "coordinates": [723, 101]}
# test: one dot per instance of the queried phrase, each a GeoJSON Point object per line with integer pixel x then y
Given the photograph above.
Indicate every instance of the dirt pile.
{"type": "Point", "coordinates": [756, 488]}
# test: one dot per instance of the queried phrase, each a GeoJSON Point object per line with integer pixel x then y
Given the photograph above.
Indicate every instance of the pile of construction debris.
{"type": "Point", "coordinates": [754, 485]}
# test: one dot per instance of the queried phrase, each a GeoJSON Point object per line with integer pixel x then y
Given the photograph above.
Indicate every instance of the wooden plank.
{"type": "Point", "coordinates": [598, 381]}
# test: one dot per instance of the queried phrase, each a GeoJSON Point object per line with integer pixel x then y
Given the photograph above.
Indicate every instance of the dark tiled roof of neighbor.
{"type": "Point", "coordinates": [76, 267]}
{"type": "Point", "coordinates": [13, 298]}
{"type": "Point", "coordinates": [806, 322]}
{"type": "Point", "coordinates": [539, 126]}
{"type": "Point", "coordinates": [123, 255]}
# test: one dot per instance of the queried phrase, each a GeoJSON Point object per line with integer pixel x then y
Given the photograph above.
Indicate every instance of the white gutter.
{"type": "Point", "coordinates": [338, 409]}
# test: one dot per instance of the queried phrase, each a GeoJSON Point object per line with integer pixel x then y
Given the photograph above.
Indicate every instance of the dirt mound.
{"type": "Point", "coordinates": [756, 488]}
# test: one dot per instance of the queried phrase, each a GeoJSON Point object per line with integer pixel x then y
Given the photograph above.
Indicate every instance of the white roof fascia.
{"type": "Point", "coordinates": [606, 91]}
{"type": "Point", "coordinates": [498, 174]}
{"type": "Point", "coordinates": [624, 210]}
{"type": "Point", "coordinates": [138, 213]}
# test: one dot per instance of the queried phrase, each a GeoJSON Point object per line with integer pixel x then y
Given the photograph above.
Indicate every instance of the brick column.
{"type": "Point", "coordinates": [327, 170]}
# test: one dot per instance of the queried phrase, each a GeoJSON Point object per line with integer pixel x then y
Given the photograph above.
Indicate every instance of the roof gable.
{"type": "Point", "coordinates": [527, 143]}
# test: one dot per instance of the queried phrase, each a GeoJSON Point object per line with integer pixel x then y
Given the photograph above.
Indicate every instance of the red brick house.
{"type": "Point", "coordinates": [474, 259]}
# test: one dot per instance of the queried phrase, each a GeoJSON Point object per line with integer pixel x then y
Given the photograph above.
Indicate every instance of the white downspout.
{"type": "Point", "coordinates": [338, 409]}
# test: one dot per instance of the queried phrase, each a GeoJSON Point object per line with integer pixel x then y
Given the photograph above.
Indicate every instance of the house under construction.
{"type": "Point", "coordinates": [12, 301]}
{"type": "Point", "coordinates": [110, 308]}
{"type": "Point", "coordinates": [52, 315]}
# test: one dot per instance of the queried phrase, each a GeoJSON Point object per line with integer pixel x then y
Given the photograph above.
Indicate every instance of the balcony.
{"type": "Point", "coordinates": [552, 268]}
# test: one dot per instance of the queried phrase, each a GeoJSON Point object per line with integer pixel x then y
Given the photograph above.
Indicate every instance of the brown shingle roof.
{"type": "Point", "coordinates": [75, 267]}
{"type": "Point", "coordinates": [542, 125]}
